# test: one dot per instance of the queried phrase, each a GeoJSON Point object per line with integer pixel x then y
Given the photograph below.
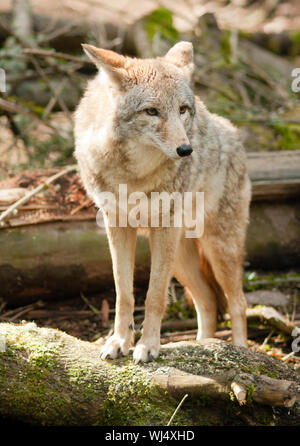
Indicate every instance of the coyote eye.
{"type": "Point", "coordinates": [151, 111]}
{"type": "Point", "coordinates": [183, 109]}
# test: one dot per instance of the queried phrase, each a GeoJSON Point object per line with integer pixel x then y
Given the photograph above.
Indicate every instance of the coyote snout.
{"type": "Point", "coordinates": [138, 124]}
{"type": "Point", "coordinates": [184, 150]}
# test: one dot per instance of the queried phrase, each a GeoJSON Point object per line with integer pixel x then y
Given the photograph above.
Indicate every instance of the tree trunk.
{"type": "Point", "coordinates": [51, 378]}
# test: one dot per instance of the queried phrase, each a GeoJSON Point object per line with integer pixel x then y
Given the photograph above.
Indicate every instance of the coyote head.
{"type": "Point", "coordinates": [153, 99]}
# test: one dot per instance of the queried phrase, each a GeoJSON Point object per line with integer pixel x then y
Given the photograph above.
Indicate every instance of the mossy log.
{"type": "Point", "coordinates": [48, 377]}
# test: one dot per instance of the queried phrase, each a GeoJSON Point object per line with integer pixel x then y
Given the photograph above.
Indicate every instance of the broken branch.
{"type": "Point", "coordinates": [35, 191]}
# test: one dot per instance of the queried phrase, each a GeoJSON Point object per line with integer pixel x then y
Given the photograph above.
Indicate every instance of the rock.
{"type": "Point", "coordinates": [266, 297]}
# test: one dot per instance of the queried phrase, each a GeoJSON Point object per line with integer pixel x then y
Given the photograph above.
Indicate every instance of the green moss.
{"type": "Point", "coordinates": [288, 135]}
{"type": "Point", "coordinates": [225, 45]}
{"type": "Point", "coordinates": [264, 416]}
{"type": "Point", "coordinates": [121, 391]}
{"type": "Point", "coordinates": [161, 21]}
{"type": "Point", "coordinates": [250, 390]}
{"type": "Point", "coordinates": [179, 310]}
{"type": "Point", "coordinates": [131, 399]}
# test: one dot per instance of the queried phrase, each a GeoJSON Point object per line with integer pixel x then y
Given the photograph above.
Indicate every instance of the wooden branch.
{"type": "Point", "coordinates": [185, 324]}
{"type": "Point", "coordinates": [13, 107]}
{"type": "Point", "coordinates": [270, 190]}
{"type": "Point", "coordinates": [259, 388]}
{"type": "Point", "coordinates": [48, 377]}
{"type": "Point", "coordinates": [240, 392]}
{"type": "Point", "coordinates": [52, 89]}
{"type": "Point", "coordinates": [261, 73]}
{"type": "Point", "coordinates": [267, 315]}
{"type": "Point", "coordinates": [35, 191]}
{"type": "Point", "coordinates": [56, 54]}
{"type": "Point", "coordinates": [288, 281]}
{"type": "Point", "coordinates": [271, 317]}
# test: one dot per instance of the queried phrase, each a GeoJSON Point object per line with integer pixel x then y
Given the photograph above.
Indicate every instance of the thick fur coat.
{"type": "Point", "coordinates": [133, 117]}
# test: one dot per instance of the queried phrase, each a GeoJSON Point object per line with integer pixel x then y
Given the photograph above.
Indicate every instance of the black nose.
{"type": "Point", "coordinates": [184, 150]}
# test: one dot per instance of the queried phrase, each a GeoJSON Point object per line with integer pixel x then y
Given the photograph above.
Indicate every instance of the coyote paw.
{"type": "Point", "coordinates": [115, 347]}
{"type": "Point", "coordinates": [145, 352]}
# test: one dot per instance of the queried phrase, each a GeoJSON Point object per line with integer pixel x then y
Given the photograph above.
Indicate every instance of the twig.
{"type": "Point", "coordinates": [289, 355]}
{"type": "Point", "coordinates": [275, 280]}
{"type": "Point", "coordinates": [47, 53]}
{"type": "Point", "coordinates": [20, 77]}
{"type": "Point", "coordinates": [212, 86]}
{"type": "Point", "coordinates": [266, 340]}
{"type": "Point", "coordinates": [32, 207]}
{"type": "Point", "coordinates": [54, 98]}
{"type": "Point", "coordinates": [48, 83]}
{"type": "Point", "coordinates": [85, 300]}
{"type": "Point", "coordinates": [263, 75]}
{"type": "Point", "coordinates": [59, 32]}
{"type": "Point", "coordinates": [59, 314]}
{"type": "Point", "coordinates": [2, 306]}
{"type": "Point", "coordinates": [177, 408]}
{"type": "Point", "coordinates": [68, 73]}
{"type": "Point", "coordinates": [35, 191]}
{"type": "Point", "coordinates": [87, 203]}
{"type": "Point", "coordinates": [12, 107]}
{"type": "Point", "coordinates": [12, 315]}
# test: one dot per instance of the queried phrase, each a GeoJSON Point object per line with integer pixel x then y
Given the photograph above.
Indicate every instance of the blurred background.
{"type": "Point", "coordinates": [245, 51]}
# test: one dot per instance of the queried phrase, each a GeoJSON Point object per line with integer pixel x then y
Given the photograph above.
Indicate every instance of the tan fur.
{"type": "Point", "coordinates": [211, 280]}
{"type": "Point", "coordinates": [117, 142]}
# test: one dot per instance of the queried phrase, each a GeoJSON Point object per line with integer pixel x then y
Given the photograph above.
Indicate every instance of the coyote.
{"type": "Point", "coordinates": [140, 124]}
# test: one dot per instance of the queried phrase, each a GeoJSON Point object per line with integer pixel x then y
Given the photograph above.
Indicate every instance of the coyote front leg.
{"type": "Point", "coordinates": [122, 243]}
{"type": "Point", "coordinates": [163, 244]}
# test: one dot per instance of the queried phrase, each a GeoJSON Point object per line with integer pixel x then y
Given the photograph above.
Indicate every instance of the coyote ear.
{"type": "Point", "coordinates": [113, 63]}
{"type": "Point", "coordinates": [182, 56]}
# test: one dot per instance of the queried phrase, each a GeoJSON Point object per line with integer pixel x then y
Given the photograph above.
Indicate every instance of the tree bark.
{"type": "Point", "coordinates": [51, 378]}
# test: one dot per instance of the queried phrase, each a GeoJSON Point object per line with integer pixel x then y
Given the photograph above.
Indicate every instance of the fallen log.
{"type": "Point", "coordinates": [51, 378]}
{"type": "Point", "coordinates": [260, 314]}
{"type": "Point", "coordinates": [269, 316]}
